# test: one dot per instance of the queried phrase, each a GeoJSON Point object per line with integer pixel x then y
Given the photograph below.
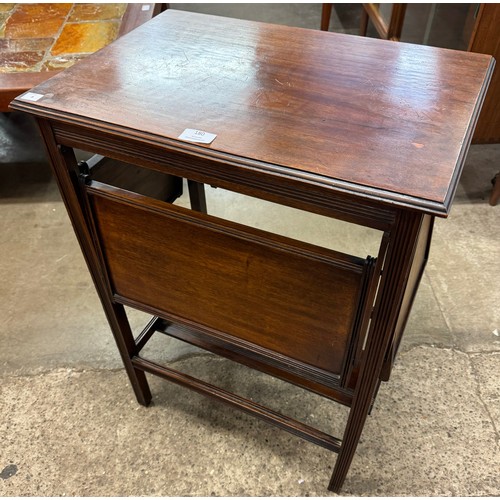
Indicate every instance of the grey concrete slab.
{"type": "Point", "coordinates": [462, 272]}
{"type": "Point", "coordinates": [464, 256]}
{"type": "Point", "coordinates": [486, 369]}
{"type": "Point", "coordinates": [50, 327]}
{"type": "Point", "coordinates": [40, 246]}
{"type": "Point", "coordinates": [443, 440]}
{"type": "Point", "coordinates": [426, 324]}
{"type": "Point", "coordinates": [344, 18]}
{"type": "Point", "coordinates": [50, 310]}
{"type": "Point", "coordinates": [81, 433]}
{"type": "Point", "coordinates": [475, 182]}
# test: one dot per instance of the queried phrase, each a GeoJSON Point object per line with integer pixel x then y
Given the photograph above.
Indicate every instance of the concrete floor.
{"type": "Point", "coordinates": [70, 425]}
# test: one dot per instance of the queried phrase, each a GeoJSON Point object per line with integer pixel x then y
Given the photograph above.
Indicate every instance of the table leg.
{"type": "Point", "coordinates": [363, 25]}
{"type": "Point", "coordinates": [495, 192]}
{"type": "Point", "coordinates": [396, 269]}
{"type": "Point", "coordinates": [65, 167]}
{"type": "Point", "coordinates": [197, 196]}
{"type": "Point", "coordinates": [326, 13]}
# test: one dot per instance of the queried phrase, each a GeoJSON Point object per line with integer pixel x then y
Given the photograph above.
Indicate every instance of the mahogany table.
{"type": "Point", "coordinates": [367, 131]}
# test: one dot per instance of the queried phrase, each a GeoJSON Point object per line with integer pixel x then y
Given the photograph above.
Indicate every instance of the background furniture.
{"type": "Point", "coordinates": [371, 12]}
{"type": "Point", "coordinates": [388, 31]}
{"type": "Point", "coordinates": [39, 40]}
{"type": "Point", "coordinates": [483, 38]}
{"type": "Point", "coordinates": [495, 192]}
{"type": "Point", "coordinates": [42, 39]}
{"type": "Point", "coordinates": [296, 123]}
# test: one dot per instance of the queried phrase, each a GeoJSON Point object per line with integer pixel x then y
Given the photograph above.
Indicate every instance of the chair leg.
{"type": "Point", "coordinates": [363, 27]}
{"type": "Point", "coordinates": [326, 13]}
{"type": "Point", "coordinates": [495, 192]}
{"type": "Point", "coordinates": [197, 196]}
{"type": "Point", "coordinates": [396, 23]}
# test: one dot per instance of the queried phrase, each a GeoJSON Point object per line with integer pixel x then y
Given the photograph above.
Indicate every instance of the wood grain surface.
{"type": "Point", "coordinates": [391, 118]}
{"type": "Point", "coordinates": [238, 280]}
{"type": "Point", "coordinates": [486, 40]}
{"type": "Point", "coordinates": [369, 131]}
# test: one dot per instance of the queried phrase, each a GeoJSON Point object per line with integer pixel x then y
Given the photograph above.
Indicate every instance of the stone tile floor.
{"type": "Point", "coordinates": [51, 36]}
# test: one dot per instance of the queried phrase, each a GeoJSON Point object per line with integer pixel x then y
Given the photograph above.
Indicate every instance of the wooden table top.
{"type": "Point", "coordinates": [385, 120]}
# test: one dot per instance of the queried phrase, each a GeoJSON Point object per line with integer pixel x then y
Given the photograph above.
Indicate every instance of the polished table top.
{"type": "Point", "coordinates": [383, 120]}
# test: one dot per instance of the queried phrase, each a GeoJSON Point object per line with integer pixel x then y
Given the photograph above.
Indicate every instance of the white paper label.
{"type": "Point", "coordinates": [145, 7]}
{"type": "Point", "coordinates": [31, 96]}
{"type": "Point", "coordinates": [193, 135]}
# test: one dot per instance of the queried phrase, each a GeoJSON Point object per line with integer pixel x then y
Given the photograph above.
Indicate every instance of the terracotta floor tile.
{"type": "Point", "coordinates": [49, 36]}
{"type": "Point", "coordinates": [7, 7]}
{"type": "Point", "coordinates": [3, 19]}
{"type": "Point", "coordinates": [60, 62]}
{"type": "Point", "coordinates": [13, 62]}
{"type": "Point", "coordinates": [85, 37]}
{"type": "Point", "coordinates": [23, 54]}
{"type": "Point", "coordinates": [25, 44]}
{"type": "Point", "coordinates": [97, 11]}
{"type": "Point", "coordinates": [36, 20]}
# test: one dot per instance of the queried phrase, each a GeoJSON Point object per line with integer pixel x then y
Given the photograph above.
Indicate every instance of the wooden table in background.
{"type": "Point", "coordinates": [38, 40]}
{"type": "Point", "coordinates": [367, 131]}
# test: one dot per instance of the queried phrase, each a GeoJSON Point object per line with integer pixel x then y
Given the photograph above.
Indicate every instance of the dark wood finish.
{"type": "Point", "coordinates": [14, 84]}
{"type": "Point", "coordinates": [370, 11]}
{"type": "Point", "coordinates": [387, 31]}
{"type": "Point", "coordinates": [217, 274]}
{"type": "Point", "coordinates": [386, 312]}
{"type": "Point", "coordinates": [326, 13]}
{"type": "Point", "coordinates": [154, 325]}
{"type": "Point", "coordinates": [297, 373]}
{"type": "Point", "coordinates": [135, 15]}
{"type": "Point", "coordinates": [197, 196]}
{"type": "Point", "coordinates": [363, 22]}
{"type": "Point", "coordinates": [485, 39]}
{"type": "Point", "coordinates": [495, 192]}
{"type": "Point", "coordinates": [64, 163]}
{"type": "Point", "coordinates": [396, 22]}
{"type": "Point", "coordinates": [138, 180]}
{"type": "Point", "coordinates": [241, 175]}
{"type": "Point", "coordinates": [419, 257]}
{"type": "Point", "coordinates": [351, 374]}
{"type": "Point", "coordinates": [298, 428]}
{"type": "Point", "coordinates": [302, 118]}
{"type": "Point", "coordinates": [242, 90]}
